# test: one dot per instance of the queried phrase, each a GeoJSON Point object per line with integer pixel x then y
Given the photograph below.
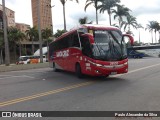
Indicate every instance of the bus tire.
{"type": "Point", "coordinates": [78, 71]}
{"type": "Point", "coordinates": [54, 68]}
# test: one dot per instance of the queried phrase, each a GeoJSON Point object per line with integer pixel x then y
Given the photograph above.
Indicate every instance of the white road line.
{"type": "Point", "coordinates": [136, 70]}
{"type": "Point", "coordinates": [17, 76]}
{"type": "Point", "coordinates": [5, 75]}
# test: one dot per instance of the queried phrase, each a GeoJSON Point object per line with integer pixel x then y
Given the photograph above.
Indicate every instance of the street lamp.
{"type": "Point", "coordinates": [51, 17]}
{"type": "Point", "coordinates": [7, 55]}
{"type": "Point", "coordinates": [39, 31]}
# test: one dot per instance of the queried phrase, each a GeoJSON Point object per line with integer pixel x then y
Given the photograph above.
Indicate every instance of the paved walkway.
{"type": "Point", "coordinates": [14, 67]}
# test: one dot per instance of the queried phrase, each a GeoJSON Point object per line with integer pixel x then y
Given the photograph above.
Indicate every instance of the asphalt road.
{"type": "Point", "coordinates": [45, 90]}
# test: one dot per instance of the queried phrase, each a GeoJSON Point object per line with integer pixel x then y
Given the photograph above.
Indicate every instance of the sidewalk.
{"type": "Point", "coordinates": [14, 67]}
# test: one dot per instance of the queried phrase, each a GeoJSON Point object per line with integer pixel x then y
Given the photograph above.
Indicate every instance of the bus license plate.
{"type": "Point", "coordinates": [113, 73]}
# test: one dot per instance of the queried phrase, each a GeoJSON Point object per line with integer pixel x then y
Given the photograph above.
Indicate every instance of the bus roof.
{"type": "Point", "coordinates": [99, 26]}
{"type": "Point", "coordinates": [89, 26]}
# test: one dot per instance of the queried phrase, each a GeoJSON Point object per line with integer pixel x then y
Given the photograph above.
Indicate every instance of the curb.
{"type": "Point", "coordinates": [14, 67]}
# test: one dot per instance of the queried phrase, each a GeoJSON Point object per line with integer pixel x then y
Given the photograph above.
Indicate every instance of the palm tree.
{"type": "Point", "coordinates": [95, 2]}
{"type": "Point", "coordinates": [15, 36]}
{"type": "Point", "coordinates": [130, 21]}
{"type": "Point", "coordinates": [21, 36]}
{"type": "Point", "coordinates": [106, 6]}
{"type": "Point", "coordinates": [64, 16]}
{"type": "Point", "coordinates": [59, 33]}
{"type": "Point", "coordinates": [84, 21]}
{"type": "Point", "coordinates": [121, 12]}
{"type": "Point", "coordinates": [152, 27]}
{"type": "Point", "coordinates": [158, 29]}
{"type": "Point", "coordinates": [46, 33]}
{"type": "Point", "coordinates": [32, 34]}
{"type": "Point", "coordinates": [155, 27]}
{"type": "Point", "coordinates": [139, 26]}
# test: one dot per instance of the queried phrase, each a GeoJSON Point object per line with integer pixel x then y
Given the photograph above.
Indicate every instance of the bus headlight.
{"type": "Point", "coordinates": [126, 63]}
{"type": "Point", "coordinates": [98, 65]}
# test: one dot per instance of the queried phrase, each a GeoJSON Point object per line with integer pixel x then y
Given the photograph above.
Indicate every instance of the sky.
{"type": "Point", "coordinates": [143, 10]}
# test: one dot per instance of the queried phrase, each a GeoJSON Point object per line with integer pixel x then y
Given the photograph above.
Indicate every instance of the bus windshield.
{"type": "Point", "coordinates": [108, 45]}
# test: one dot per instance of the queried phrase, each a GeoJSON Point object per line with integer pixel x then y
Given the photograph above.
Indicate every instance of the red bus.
{"type": "Point", "coordinates": [94, 50]}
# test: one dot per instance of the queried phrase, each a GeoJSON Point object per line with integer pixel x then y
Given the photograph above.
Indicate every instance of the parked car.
{"type": "Point", "coordinates": [135, 54]}
{"type": "Point", "coordinates": [23, 60]}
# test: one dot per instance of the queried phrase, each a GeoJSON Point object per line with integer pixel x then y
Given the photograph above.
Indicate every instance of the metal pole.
{"type": "Point", "coordinates": [39, 32]}
{"type": "Point", "coordinates": [52, 19]}
{"type": "Point", "coordinates": [139, 36]}
{"type": "Point", "coordinates": [7, 55]}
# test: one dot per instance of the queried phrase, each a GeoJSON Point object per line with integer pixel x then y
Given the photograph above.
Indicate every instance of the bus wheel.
{"type": "Point", "coordinates": [78, 71]}
{"type": "Point", "coordinates": [54, 68]}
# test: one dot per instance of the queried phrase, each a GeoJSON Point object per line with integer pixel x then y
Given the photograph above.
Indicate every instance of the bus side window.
{"type": "Point", "coordinates": [75, 41]}
{"type": "Point", "coordinates": [86, 47]}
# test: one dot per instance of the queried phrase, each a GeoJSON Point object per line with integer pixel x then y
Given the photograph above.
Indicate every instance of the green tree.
{"type": "Point", "coordinates": [158, 29]}
{"type": "Point", "coordinates": [130, 21]}
{"type": "Point", "coordinates": [46, 34]}
{"type": "Point", "coordinates": [84, 21]}
{"type": "Point", "coordinates": [155, 27]}
{"type": "Point", "coordinates": [21, 37]}
{"type": "Point", "coordinates": [95, 3]}
{"type": "Point", "coordinates": [151, 28]}
{"type": "Point", "coordinates": [59, 33]}
{"type": "Point", "coordinates": [139, 26]}
{"type": "Point", "coordinates": [121, 12]}
{"type": "Point", "coordinates": [64, 16]}
{"type": "Point", "coordinates": [15, 37]}
{"type": "Point", "coordinates": [106, 5]}
{"type": "Point", "coordinates": [32, 34]}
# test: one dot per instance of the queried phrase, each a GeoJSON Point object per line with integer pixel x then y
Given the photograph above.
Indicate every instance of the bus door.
{"type": "Point", "coordinates": [74, 51]}
{"type": "Point", "coordinates": [86, 51]}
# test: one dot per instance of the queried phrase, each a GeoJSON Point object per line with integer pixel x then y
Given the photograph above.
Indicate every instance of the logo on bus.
{"type": "Point", "coordinates": [114, 63]}
{"type": "Point", "coordinates": [64, 53]}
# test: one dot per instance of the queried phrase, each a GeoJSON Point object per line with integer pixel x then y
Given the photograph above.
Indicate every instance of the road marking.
{"type": "Point", "coordinates": [143, 68]}
{"type": "Point", "coordinates": [17, 76]}
{"type": "Point", "coordinates": [136, 70]}
{"type": "Point", "coordinates": [2, 104]}
{"type": "Point", "coordinates": [18, 100]}
{"type": "Point", "coordinates": [5, 75]}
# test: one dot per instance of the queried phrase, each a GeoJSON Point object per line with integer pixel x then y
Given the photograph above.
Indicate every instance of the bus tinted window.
{"type": "Point", "coordinates": [75, 41]}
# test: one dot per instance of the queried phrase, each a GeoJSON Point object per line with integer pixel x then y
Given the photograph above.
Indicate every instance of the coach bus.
{"type": "Point", "coordinates": [94, 50]}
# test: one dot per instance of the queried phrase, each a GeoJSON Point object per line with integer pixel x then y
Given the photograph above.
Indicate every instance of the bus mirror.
{"type": "Point", "coordinates": [129, 38]}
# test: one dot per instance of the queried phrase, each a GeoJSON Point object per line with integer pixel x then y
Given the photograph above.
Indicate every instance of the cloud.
{"type": "Point", "coordinates": [143, 10]}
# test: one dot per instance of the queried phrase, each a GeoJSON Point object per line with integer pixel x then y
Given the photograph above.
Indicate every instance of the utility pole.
{"type": "Point", "coordinates": [39, 31]}
{"type": "Point", "coordinates": [7, 55]}
{"type": "Point", "coordinates": [52, 19]}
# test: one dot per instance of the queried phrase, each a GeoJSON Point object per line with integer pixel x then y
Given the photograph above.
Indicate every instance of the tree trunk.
{"type": "Point", "coordinates": [15, 55]}
{"type": "Point", "coordinates": [32, 47]}
{"type": "Point", "coordinates": [47, 50]}
{"type": "Point", "coordinates": [110, 19]}
{"type": "Point", "coordinates": [1, 57]}
{"type": "Point", "coordinates": [96, 16]}
{"type": "Point", "coordinates": [159, 37]}
{"type": "Point", "coordinates": [64, 17]}
{"type": "Point", "coordinates": [7, 53]}
{"type": "Point", "coordinates": [139, 36]}
{"type": "Point", "coordinates": [155, 37]}
{"type": "Point", "coordinates": [120, 22]}
{"type": "Point", "coordinates": [152, 36]}
{"type": "Point", "coordinates": [25, 49]}
{"type": "Point", "coordinates": [20, 53]}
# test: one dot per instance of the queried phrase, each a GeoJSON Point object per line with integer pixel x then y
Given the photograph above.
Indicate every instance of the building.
{"type": "Point", "coordinates": [45, 13]}
{"type": "Point", "coordinates": [22, 27]}
{"type": "Point", "coordinates": [10, 14]}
